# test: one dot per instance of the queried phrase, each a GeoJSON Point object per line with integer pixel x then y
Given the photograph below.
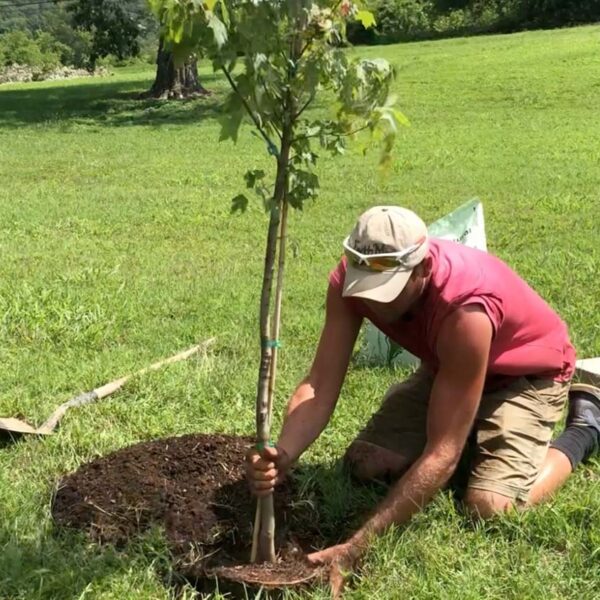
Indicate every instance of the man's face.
{"type": "Point", "coordinates": [389, 312]}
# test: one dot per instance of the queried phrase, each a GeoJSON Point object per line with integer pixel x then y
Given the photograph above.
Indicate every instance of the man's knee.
{"type": "Point", "coordinates": [366, 462]}
{"type": "Point", "coordinates": [484, 505]}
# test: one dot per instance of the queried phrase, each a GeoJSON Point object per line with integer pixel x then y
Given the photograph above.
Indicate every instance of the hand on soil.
{"type": "Point", "coordinates": [341, 560]}
{"type": "Point", "coordinates": [266, 469]}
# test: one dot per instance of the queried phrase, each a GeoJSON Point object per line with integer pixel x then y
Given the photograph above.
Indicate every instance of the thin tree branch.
{"type": "Point", "coordinates": [305, 48]}
{"type": "Point", "coordinates": [306, 105]}
{"type": "Point", "coordinates": [272, 147]}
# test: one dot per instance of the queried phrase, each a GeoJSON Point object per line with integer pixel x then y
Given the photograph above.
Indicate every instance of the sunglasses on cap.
{"type": "Point", "coordinates": [379, 262]}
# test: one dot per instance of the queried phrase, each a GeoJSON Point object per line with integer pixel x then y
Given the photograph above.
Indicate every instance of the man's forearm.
{"type": "Point", "coordinates": [306, 418]}
{"type": "Point", "coordinates": [415, 489]}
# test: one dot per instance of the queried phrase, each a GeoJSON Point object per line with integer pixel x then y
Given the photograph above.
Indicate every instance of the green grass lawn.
{"type": "Point", "coordinates": [118, 248]}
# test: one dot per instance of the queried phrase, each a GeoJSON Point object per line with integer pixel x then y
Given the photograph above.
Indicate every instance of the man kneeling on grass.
{"type": "Point", "coordinates": [496, 364]}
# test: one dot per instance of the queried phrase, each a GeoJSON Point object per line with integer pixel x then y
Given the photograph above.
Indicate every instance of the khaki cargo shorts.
{"type": "Point", "coordinates": [509, 441]}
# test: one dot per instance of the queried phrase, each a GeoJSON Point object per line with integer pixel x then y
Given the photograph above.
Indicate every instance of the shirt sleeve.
{"type": "Point", "coordinates": [336, 277]}
{"type": "Point", "coordinates": [492, 307]}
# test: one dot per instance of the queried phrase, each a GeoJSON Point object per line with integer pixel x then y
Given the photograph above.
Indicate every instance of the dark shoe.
{"type": "Point", "coordinates": [584, 406]}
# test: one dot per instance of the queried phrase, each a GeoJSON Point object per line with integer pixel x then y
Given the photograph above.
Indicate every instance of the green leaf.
{"type": "Point", "coordinates": [252, 176]}
{"type": "Point", "coordinates": [304, 185]}
{"type": "Point", "coordinates": [239, 203]}
{"type": "Point", "coordinates": [230, 126]}
{"type": "Point", "coordinates": [225, 13]}
{"type": "Point", "coordinates": [219, 30]}
{"type": "Point", "coordinates": [366, 17]}
{"type": "Point", "coordinates": [231, 119]}
{"type": "Point", "coordinates": [256, 33]}
{"type": "Point", "coordinates": [313, 130]}
{"type": "Point", "coordinates": [176, 31]}
{"type": "Point", "coordinates": [401, 117]}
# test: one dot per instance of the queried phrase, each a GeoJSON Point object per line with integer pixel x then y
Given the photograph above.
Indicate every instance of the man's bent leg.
{"type": "Point", "coordinates": [368, 462]}
{"type": "Point", "coordinates": [579, 440]}
{"type": "Point", "coordinates": [513, 431]}
{"type": "Point", "coordinates": [484, 505]}
{"type": "Point", "coordinates": [555, 471]}
{"type": "Point", "coordinates": [394, 437]}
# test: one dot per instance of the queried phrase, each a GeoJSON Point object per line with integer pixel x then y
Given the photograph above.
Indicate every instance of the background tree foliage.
{"type": "Point", "coordinates": [93, 30]}
{"type": "Point", "coordinates": [83, 33]}
{"type": "Point", "coordinates": [86, 30]}
{"type": "Point", "coordinates": [403, 20]}
{"type": "Point", "coordinates": [115, 27]}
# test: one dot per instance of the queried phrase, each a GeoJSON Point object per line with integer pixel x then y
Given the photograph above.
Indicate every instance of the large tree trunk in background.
{"type": "Point", "coordinates": [173, 82]}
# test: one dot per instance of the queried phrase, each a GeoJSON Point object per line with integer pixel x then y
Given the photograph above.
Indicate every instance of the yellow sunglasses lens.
{"type": "Point", "coordinates": [382, 264]}
{"type": "Point", "coordinates": [372, 264]}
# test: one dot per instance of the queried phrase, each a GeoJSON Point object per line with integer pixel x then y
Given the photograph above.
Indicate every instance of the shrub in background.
{"type": "Point", "coordinates": [76, 43]}
{"type": "Point", "coordinates": [557, 13]}
{"type": "Point", "coordinates": [400, 20]}
{"type": "Point", "coordinates": [20, 47]}
{"type": "Point", "coordinates": [406, 20]}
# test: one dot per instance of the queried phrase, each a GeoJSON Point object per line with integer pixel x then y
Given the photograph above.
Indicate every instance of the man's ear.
{"type": "Point", "coordinates": [423, 269]}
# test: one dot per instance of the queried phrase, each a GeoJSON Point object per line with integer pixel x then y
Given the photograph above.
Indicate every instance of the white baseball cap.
{"type": "Point", "coordinates": [382, 250]}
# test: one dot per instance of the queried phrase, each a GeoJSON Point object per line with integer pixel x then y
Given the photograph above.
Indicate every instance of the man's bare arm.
{"type": "Point", "coordinates": [315, 398]}
{"type": "Point", "coordinates": [463, 351]}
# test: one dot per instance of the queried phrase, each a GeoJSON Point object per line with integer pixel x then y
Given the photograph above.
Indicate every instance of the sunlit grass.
{"type": "Point", "coordinates": [118, 248]}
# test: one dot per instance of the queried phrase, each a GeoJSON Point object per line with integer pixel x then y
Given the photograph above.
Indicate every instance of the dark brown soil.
{"type": "Point", "coordinates": [194, 487]}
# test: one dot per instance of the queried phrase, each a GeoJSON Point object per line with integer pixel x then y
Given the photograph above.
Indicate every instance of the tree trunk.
{"type": "Point", "coordinates": [264, 546]}
{"type": "Point", "coordinates": [175, 82]}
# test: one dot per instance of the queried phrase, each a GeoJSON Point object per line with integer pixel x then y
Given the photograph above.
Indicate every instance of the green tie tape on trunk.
{"type": "Point", "coordinates": [272, 344]}
{"type": "Point", "coordinates": [260, 446]}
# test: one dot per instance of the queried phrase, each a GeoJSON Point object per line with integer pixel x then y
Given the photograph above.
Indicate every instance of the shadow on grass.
{"type": "Point", "coordinates": [10, 438]}
{"type": "Point", "coordinates": [101, 103]}
{"type": "Point", "coordinates": [340, 503]}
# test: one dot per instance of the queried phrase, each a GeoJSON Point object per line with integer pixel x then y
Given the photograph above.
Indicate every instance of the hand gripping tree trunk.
{"type": "Point", "coordinates": [175, 82]}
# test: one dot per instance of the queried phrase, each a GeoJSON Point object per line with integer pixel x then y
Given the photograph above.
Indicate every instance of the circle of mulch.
{"type": "Point", "coordinates": [194, 487]}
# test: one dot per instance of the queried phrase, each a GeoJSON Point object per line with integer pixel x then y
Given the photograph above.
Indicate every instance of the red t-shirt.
{"type": "Point", "coordinates": [529, 337]}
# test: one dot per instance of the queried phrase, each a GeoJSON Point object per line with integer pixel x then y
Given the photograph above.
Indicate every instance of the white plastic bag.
{"type": "Point", "coordinates": [464, 225]}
